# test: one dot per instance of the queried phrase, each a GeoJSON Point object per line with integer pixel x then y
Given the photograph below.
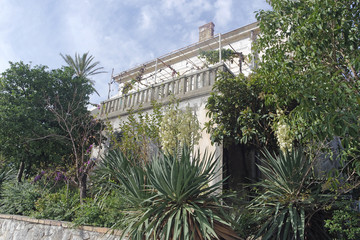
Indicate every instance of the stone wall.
{"type": "Point", "coordinates": [14, 227]}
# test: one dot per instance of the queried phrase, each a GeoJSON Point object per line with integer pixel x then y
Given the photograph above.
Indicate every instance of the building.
{"type": "Point", "coordinates": [183, 74]}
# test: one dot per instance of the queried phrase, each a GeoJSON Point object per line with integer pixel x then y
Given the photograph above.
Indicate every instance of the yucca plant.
{"type": "Point", "coordinates": [290, 202]}
{"type": "Point", "coordinates": [172, 197]}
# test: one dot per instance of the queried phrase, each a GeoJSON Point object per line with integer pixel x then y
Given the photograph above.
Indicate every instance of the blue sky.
{"type": "Point", "coordinates": [119, 33]}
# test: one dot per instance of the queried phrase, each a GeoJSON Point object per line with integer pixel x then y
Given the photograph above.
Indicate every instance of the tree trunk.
{"type": "Point", "coordinates": [82, 186]}
{"type": "Point", "coordinates": [21, 171]}
{"type": "Point", "coordinates": [27, 171]}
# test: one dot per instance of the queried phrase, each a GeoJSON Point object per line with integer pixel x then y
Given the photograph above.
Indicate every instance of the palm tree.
{"type": "Point", "coordinates": [83, 65]}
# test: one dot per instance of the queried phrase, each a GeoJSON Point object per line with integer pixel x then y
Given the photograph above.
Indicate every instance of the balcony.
{"type": "Point", "coordinates": [185, 87]}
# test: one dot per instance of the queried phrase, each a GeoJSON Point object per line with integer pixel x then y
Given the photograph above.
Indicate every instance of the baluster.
{"type": "Point", "coordinates": [191, 83]}
{"type": "Point", "coordinates": [152, 93]}
{"type": "Point", "coordinates": [173, 86]}
{"type": "Point", "coordinates": [111, 106]}
{"type": "Point", "coordinates": [102, 108]}
{"type": "Point", "coordinates": [137, 99]}
{"type": "Point", "coordinates": [125, 102]}
{"type": "Point", "coordinates": [197, 81]}
{"type": "Point", "coordinates": [142, 99]}
{"type": "Point", "coordinates": [116, 103]}
{"type": "Point", "coordinates": [156, 96]}
{"type": "Point", "coordinates": [177, 86]}
{"type": "Point", "coordinates": [202, 79]}
{"type": "Point", "coordinates": [161, 91]}
{"type": "Point", "coordinates": [183, 85]}
{"type": "Point", "coordinates": [132, 100]}
{"type": "Point", "coordinates": [107, 108]}
{"type": "Point", "coordinates": [166, 87]}
{"type": "Point", "coordinates": [146, 95]}
{"type": "Point", "coordinates": [120, 103]}
{"type": "Point", "coordinates": [212, 77]}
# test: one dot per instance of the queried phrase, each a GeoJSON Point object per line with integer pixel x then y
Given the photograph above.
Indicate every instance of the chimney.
{"type": "Point", "coordinates": [206, 31]}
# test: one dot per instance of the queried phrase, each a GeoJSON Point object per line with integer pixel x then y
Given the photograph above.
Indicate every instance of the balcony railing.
{"type": "Point", "coordinates": [185, 87]}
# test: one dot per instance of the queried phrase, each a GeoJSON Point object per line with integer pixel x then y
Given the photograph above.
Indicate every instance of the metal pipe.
{"type": "Point", "coordinates": [252, 50]}
{"type": "Point", "coordinates": [220, 60]}
{"type": "Point", "coordinates": [156, 65]}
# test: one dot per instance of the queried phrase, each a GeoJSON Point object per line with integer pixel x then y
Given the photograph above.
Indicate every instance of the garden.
{"type": "Point", "coordinates": [298, 111]}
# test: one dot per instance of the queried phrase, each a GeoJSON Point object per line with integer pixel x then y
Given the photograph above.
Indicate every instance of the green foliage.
{"type": "Point", "coordinates": [310, 66]}
{"type": "Point", "coordinates": [5, 171]}
{"type": "Point", "coordinates": [164, 128]}
{"type": "Point", "coordinates": [106, 212]}
{"type": "Point", "coordinates": [238, 112]}
{"type": "Point", "coordinates": [19, 198]}
{"type": "Point", "coordinates": [345, 222]}
{"type": "Point", "coordinates": [83, 65]}
{"type": "Point", "coordinates": [179, 128]}
{"type": "Point", "coordinates": [45, 118]}
{"type": "Point", "coordinates": [171, 196]}
{"type": "Point", "coordinates": [290, 204]}
{"type": "Point", "coordinates": [139, 134]}
{"type": "Point", "coordinates": [26, 119]}
{"type": "Point", "coordinates": [70, 109]}
{"type": "Point", "coordinates": [245, 222]}
{"type": "Point", "coordinates": [59, 205]}
{"type": "Point", "coordinates": [212, 56]}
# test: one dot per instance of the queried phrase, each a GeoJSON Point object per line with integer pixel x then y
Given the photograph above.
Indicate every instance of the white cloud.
{"type": "Point", "coordinates": [147, 18]}
{"type": "Point", "coordinates": [120, 34]}
{"type": "Point", "coordinates": [223, 13]}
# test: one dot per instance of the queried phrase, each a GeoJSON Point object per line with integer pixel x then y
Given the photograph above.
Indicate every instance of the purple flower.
{"type": "Point", "coordinates": [60, 176]}
{"type": "Point", "coordinates": [38, 177]}
{"type": "Point", "coordinates": [89, 149]}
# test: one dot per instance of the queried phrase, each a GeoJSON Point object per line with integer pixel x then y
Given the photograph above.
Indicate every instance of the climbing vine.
{"type": "Point", "coordinates": [212, 56]}
{"type": "Point", "coordinates": [179, 127]}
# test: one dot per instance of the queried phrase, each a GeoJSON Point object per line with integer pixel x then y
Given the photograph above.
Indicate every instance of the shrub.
{"type": "Point", "coordinates": [106, 212]}
{"type": "Point", "coordinates": [19, 198]}
{"type": "Point", "coordinates": [58, 206]}
{"type": "Point", "coordinates": [5, 171]}
{"type": "Point", "coordinates": [344, 223]}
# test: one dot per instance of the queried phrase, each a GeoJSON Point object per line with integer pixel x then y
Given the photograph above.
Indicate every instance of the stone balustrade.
{"type": "Point", "coordinates": [185, 87]}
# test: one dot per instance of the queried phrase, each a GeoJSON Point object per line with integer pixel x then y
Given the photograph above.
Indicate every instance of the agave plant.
{"type": "Point", "coordinates": [290, 203]}
{"type": "Point", "coordinates": [172, 197]}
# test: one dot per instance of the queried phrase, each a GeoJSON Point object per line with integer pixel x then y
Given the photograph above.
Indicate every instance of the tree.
{"type": "Point", "coordinates": [310, 69]}
{"type": "Point", "coordinates": [310, 66]}
{"type": "Point", "coordinates": [238, 113]}
{"type": "Point", "coordinates": [46, 121]}
{"type": "Point", "coordinates": [26, 120]}
{"type": "Point", "coordinates": [81, 130]}
{"type": "Point", "coordinates": [83, 65]}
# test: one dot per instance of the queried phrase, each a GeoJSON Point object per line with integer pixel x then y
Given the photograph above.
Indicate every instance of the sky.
{"type": "Point", "coordinates": [120, 34]}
